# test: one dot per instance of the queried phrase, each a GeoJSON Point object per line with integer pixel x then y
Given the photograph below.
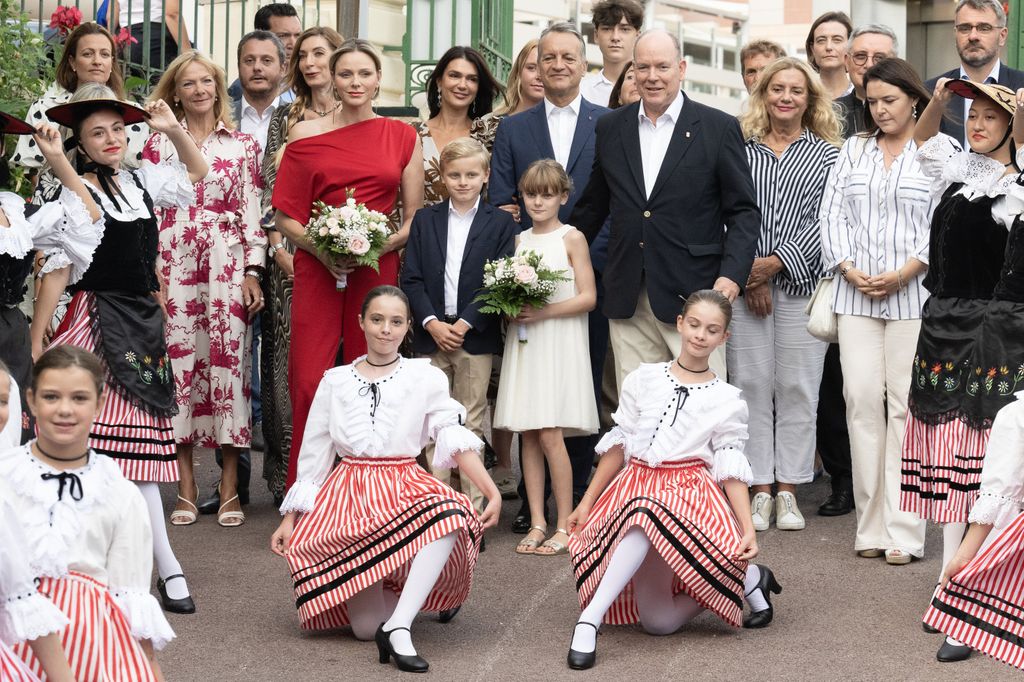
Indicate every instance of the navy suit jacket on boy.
{"type": "Point", "coordinates": [491, 235]}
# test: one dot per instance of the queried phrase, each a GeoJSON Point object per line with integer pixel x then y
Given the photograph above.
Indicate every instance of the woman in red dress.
{"type": "Point", "coordinates": [352, 148]}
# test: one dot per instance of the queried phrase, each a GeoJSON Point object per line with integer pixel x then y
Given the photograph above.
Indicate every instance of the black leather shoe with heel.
{"type": "Point", "coordinates": [185, 605]}
{"type": "Point", "coordinates": [768, 586]}
{"type": "Point", "coordinates": [407, 664]}
{"type": "Point", "coordinates": [579, 660]}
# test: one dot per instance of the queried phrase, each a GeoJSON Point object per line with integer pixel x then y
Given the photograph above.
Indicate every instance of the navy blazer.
{"type": "Point", "coordinates": [492, 235]}
{"type": "Point", "coordinates": [522, 139]}
{"type": "Point", "coordinates": [701, 221]}
{"type": "Point", "coordinates": [953, 121]}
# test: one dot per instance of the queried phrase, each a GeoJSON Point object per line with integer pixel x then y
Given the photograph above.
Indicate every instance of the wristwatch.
{"type": "Point", "coordinates": [253, 272]}
{"type": "Point", "coordinates": [274, 248]}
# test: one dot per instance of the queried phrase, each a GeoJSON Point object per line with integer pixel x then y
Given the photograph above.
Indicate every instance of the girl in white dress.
{"type": "Point", "coordinates": [658, 541]}
{"type": "Point", "coordinates": [86, 527]}
{"type": "Point", "coordinates": [546, 387]}
{"type": "Point", "coordinates": [371, 538]}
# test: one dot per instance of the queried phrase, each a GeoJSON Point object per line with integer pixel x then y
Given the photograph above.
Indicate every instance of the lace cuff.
{"type": "Point", "coordinates": [997, 510]}
{"type": "Point", "coordinates": [609, 440]}
{"type": "Point", "coordinates": [451, 439]}
{"type": "Point", "coordinates": [301, 497]}
{"type": "Point", "coordinates": [145, 617]}
{"type": "Point", "coordinates": [29, 616]}
{"type": "Point", "coordinates": [730, 462]}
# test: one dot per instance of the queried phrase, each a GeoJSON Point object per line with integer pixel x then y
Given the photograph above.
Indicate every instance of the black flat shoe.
{"type": "Point", "coordinates": [951, 653]}
{"type": "Point", "coordinates": [768, 586]}
{"type": "Point", "coordinates": [521, 522]}
{"type": "Point", "coordinates": [839, 503]}
{"type": "Point", "coordinates": [212, 503]}
{"type": "Point", "coordinates": [185, 605]}
{"type": "Point", "coordinates": [447, 615]}
{"type": "Point", "coordinates": [578, 660]}
{"type": "Point", "coordinates": [929, 629]}
{"type": "Point", "coordinates": [407, 664]}
{"type": "Point", "coordinates": [490, 456]}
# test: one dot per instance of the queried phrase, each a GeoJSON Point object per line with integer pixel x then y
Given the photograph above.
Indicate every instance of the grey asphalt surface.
{"type": "Point", "coordinates": [839, 616]}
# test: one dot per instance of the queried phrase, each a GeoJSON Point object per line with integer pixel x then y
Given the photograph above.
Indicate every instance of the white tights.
{"type": "Point", "coordinates": [166, 563]}
{"type": "Point", "coordinates": [370, 607]}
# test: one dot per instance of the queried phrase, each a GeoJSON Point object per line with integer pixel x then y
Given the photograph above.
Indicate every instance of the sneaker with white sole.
{"type": "Point", "coordinates": [787, 514]}
{"type": "Point", "coordinates": [761, 511]}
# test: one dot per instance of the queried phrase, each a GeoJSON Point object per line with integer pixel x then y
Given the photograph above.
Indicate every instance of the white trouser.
{"type": "Point", "coordinates": [777, 365]}
{"type": "Point", "coordinates": [877, 357]}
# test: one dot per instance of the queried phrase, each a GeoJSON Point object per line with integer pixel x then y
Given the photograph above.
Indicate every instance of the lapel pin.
{"type": "Point", "coordinates": [687, 133]}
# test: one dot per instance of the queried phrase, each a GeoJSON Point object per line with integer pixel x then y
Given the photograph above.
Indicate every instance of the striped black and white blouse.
{"type": "Point", "coordinates": [878, 219]}
{"type": "Point", "coordinates": [789, 190]}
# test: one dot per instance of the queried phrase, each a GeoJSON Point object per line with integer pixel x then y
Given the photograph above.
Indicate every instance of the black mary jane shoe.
{"type": "Point", "coordinates": [929, 629]}
{"type": "Point", "coordinates": [447, 615]}
{"type": "Point", "coordinates": [951, 653]}
{"type": "Point", "coordinates": [185, 605]}
{"type": "Point", "coordinates": [839, 503]}
{"type": "Point", "coordinates": [407, 664]}
{"type": "Point", "coordinates": [579, 660]}
{"type": "Point", "coordinates": [768, 586]}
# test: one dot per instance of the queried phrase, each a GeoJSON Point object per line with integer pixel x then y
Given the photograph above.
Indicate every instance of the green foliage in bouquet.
{"type": "Point", "coordinates": [514, 282]}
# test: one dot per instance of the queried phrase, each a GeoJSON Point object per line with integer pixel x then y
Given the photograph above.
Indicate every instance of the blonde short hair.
{"type": "Point", "coordinates": [169, 84]}
{"type": "Point", "coordinates": [545, 175]}
{"type": "Point", "coordinates": [464, 148]}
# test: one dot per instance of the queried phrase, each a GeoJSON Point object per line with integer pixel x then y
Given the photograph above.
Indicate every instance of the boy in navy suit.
{"type": "Point", "coordinates": [444, 270]}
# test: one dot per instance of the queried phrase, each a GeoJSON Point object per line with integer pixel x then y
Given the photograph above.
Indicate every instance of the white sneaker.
{"type": "Point", "coordinates": [788, 514]}
{"type": "Point", "coordinates": [761, 511]}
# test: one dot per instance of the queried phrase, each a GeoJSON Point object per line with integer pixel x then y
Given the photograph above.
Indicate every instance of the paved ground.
{"type": "Point", "coordinates": [839, 617]}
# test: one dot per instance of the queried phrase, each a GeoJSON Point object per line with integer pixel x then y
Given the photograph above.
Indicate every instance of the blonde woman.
{"type": "Point", "coordinates": [211, 259]}
{"type": "Point", "coordinates": [523, 91]}
{"type": "Point", "coordinates": [793, 136]}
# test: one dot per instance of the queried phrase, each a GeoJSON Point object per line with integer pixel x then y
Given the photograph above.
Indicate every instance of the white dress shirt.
{"type": "Point", "coordinates": [458, 232]}
{"type": "Point", "coordinates": [596, 88]}
{"type": "Point", "coordinates": [256, 124]}
{"type": "Point", "coordinates": [561, 127]}
{"type": "Point", "coordinates": [654, 139]}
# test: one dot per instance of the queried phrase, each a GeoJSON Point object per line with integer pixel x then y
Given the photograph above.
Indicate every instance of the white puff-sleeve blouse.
{"type": "Point", "coordinates": [660, 419]}
{"type": "Point", "coordinates": [25, 614]}
{"type": "Point", "coordinates": [61, 229]}
{"type": "Point", "coordinates": [393, 416]}
{"type": "Point", "coordinates": [1001, 498]}
{"type": "Point", "coordinates": [167, 184]}
{"type": "Point", "coordinates": [93, 521]}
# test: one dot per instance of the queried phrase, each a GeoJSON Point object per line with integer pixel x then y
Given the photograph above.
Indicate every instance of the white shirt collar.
{"type": "Point", "coordinates": [672, 112]}
{"type": "Point", "coordinates": [604, 78]}
{"type": "Point", "coordinates": [993, 74]}
{"type": "Point", "coordinates": [574, 105]}
{"type": "Point", "coordinates": [468, 214]}
{"type": "Point", "coordinates": [246, 107]}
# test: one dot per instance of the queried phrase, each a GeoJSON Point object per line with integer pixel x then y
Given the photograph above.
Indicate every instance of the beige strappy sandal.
{"type": "Point", "coordinates": [529, 545]}
{"type": "Point", "coordinates": [186, 517]}
{"type": "Point", "coordinates": [555, 546]}
{"type": "Point", "coordinates": [230, 519]}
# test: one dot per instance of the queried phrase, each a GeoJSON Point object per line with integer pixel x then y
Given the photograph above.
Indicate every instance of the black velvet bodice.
{"type": "Point", "coordinates": [1011, 277]}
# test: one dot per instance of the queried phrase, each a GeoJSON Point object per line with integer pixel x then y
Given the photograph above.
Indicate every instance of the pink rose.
{"type": "Point", "coordinates": [358, 245]}
{"type": "Point", "coordinates": [525, 274]}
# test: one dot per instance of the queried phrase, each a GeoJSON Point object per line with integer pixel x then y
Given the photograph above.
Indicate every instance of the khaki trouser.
{"type": "Point", "coordinates": [468, 378]}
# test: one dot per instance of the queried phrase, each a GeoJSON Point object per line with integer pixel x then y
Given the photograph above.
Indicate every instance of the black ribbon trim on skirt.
{"type": "Point", "coordinates": [623, 516]}
{"type": "Point", "coordinates": [976, 622]}
{"type": "Point", "coordinates": [373, 561]}
{"type": "Point", "coordinates": [129, 328]}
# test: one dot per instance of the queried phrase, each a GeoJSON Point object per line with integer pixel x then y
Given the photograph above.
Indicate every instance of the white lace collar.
{"type": "Point", "coordinates": [980, 175]}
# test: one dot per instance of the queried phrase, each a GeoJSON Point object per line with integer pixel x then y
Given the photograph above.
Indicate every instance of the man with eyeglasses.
{"type": "Point", "coordinates": [980, 30]}
{"type": "Point", "coordinates": [868, 45]}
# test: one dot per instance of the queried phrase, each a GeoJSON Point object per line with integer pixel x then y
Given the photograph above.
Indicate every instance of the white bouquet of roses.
{"type": "Point", "coordinates": [513, 282]}
{"type": "Point", "coordinates": [350, 230]}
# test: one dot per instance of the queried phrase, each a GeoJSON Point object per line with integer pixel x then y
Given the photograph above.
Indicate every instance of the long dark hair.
{"type": "Point", "coordinates": [616, 94]}
{"type": "Point", "coordinates": [898, 73]}
{"type": "Point", "coordinates": [488, 88]}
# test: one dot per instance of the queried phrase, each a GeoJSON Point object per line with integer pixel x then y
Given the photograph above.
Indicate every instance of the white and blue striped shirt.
{"type": "Point", "coordinates": [878, 219]}
{"type": "Point", "coordinates": [789, 190]}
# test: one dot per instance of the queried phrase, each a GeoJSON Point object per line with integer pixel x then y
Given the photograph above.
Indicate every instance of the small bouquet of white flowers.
{"type": "Point", "coordinates": [349, 230]}
{"type": "Point", "coordinates": [513, 282]}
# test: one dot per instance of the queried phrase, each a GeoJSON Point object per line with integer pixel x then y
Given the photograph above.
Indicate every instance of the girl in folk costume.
{"type": "Point", "coordinates": [374, 539]}
{"type": "Point", "coordinates": [658, 541]}
{"type": "Point", "coordinates": [67, 231]}
{"type": "Point", "coordinates": [85, 528]}
{"type": "Point", "coordinates": [980, 601]}
{"type": "Point", "coordinates": [114, 310]}
{"type": "Point", "coordinates": [967, 328]}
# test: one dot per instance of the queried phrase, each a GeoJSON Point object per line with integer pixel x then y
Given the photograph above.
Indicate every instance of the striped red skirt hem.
{"type": "Point", "coordinates": [688, 521]}
{"type": "Point", "coordinates": [371, 517]}
{"type": "Point", "coordinates": [941, 469]}
{"type": "Point", "coordinates": [983, 605]}
{"type": "Point", "coordinates": [141, 443]}
{"type": "Point", "coordinates": [12, 668]}
{"type": "Point", "coordinates": [98, 641]}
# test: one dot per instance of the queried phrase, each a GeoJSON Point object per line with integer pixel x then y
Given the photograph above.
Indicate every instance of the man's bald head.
{"type": "Point", "coordinates": [660, 36]}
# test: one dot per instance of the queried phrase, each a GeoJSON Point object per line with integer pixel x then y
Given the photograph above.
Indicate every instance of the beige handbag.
{"type": "Point", "coordinates": [822, 322]}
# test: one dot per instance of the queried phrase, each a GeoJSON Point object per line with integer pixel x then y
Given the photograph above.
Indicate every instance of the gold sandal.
{"type": "Point", "coordinates": [529, 545]}
{"type": "Point", "coordinates": [555, 546]}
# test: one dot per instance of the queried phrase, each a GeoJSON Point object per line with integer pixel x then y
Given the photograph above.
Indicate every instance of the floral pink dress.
{"type": "Point", "coordinates": [204, 251]}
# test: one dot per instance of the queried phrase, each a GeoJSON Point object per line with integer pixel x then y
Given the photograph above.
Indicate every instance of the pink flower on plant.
{"type": "Point", "coordinates": [525, 274]}
{"type": "Point", "coordinates": [65, 19]}
{"type": "Point", "coordinates": [358, 245]}
{"type": "Point", "coordinates": [124, 37]}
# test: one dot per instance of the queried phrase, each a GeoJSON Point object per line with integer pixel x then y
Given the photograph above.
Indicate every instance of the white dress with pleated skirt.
{"type": "Point", "coordinates": [547, 382]}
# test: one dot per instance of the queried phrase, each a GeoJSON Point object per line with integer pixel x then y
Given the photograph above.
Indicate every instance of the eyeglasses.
{"type": "Point", "coordinates": [861, 58]}
{"type": "Point", "coordinates": [983, 29]}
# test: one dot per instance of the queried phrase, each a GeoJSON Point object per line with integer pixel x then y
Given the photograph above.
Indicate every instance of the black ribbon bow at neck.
{"type": "Point", "coordinates": [374, 392]}
{"type": "Point", "coordinates": [105, 175]}
{"type": "Point", "coordinates": [72, 481]}
{"type": "Point", "coordinates": [682, 394]}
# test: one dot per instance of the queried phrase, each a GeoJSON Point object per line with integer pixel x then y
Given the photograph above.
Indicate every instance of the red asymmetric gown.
{"type": "Point", "coordinates": [367, 157]}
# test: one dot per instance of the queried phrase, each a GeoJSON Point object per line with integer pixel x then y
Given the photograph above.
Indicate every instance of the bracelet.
{"type": "Point", "coordinates": [274, 248]}
{"type": "Point", "coordinates": [253, 272]}
{"type": "Point", "coordinates": [843, 271]}
{"type": "Point", "coordinates": [900, 284]}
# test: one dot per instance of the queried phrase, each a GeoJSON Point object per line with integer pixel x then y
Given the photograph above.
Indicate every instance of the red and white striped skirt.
{"type": "Point", "coordinates": [941, 469]}
{"type": "Point", "coordinates": [141, 443]}
{"type": "Point", "coordinates": [98, 641]}
{"type": "Point", "coordinates": [983, 605]}
{"type": "Point", "coordinates": [12, 668]}
{"type": "Point", "coordinates": [689, 522]}
{"type": "Point", "coordinates": [371, 517]}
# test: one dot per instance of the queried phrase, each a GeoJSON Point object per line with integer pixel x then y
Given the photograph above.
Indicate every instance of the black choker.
{"type": "Point", "coordinates": [374, 364]}
{"type": "Point", "coordinates": [692, 371]}
{"type": "Point", "coordinates": [61, 459]}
